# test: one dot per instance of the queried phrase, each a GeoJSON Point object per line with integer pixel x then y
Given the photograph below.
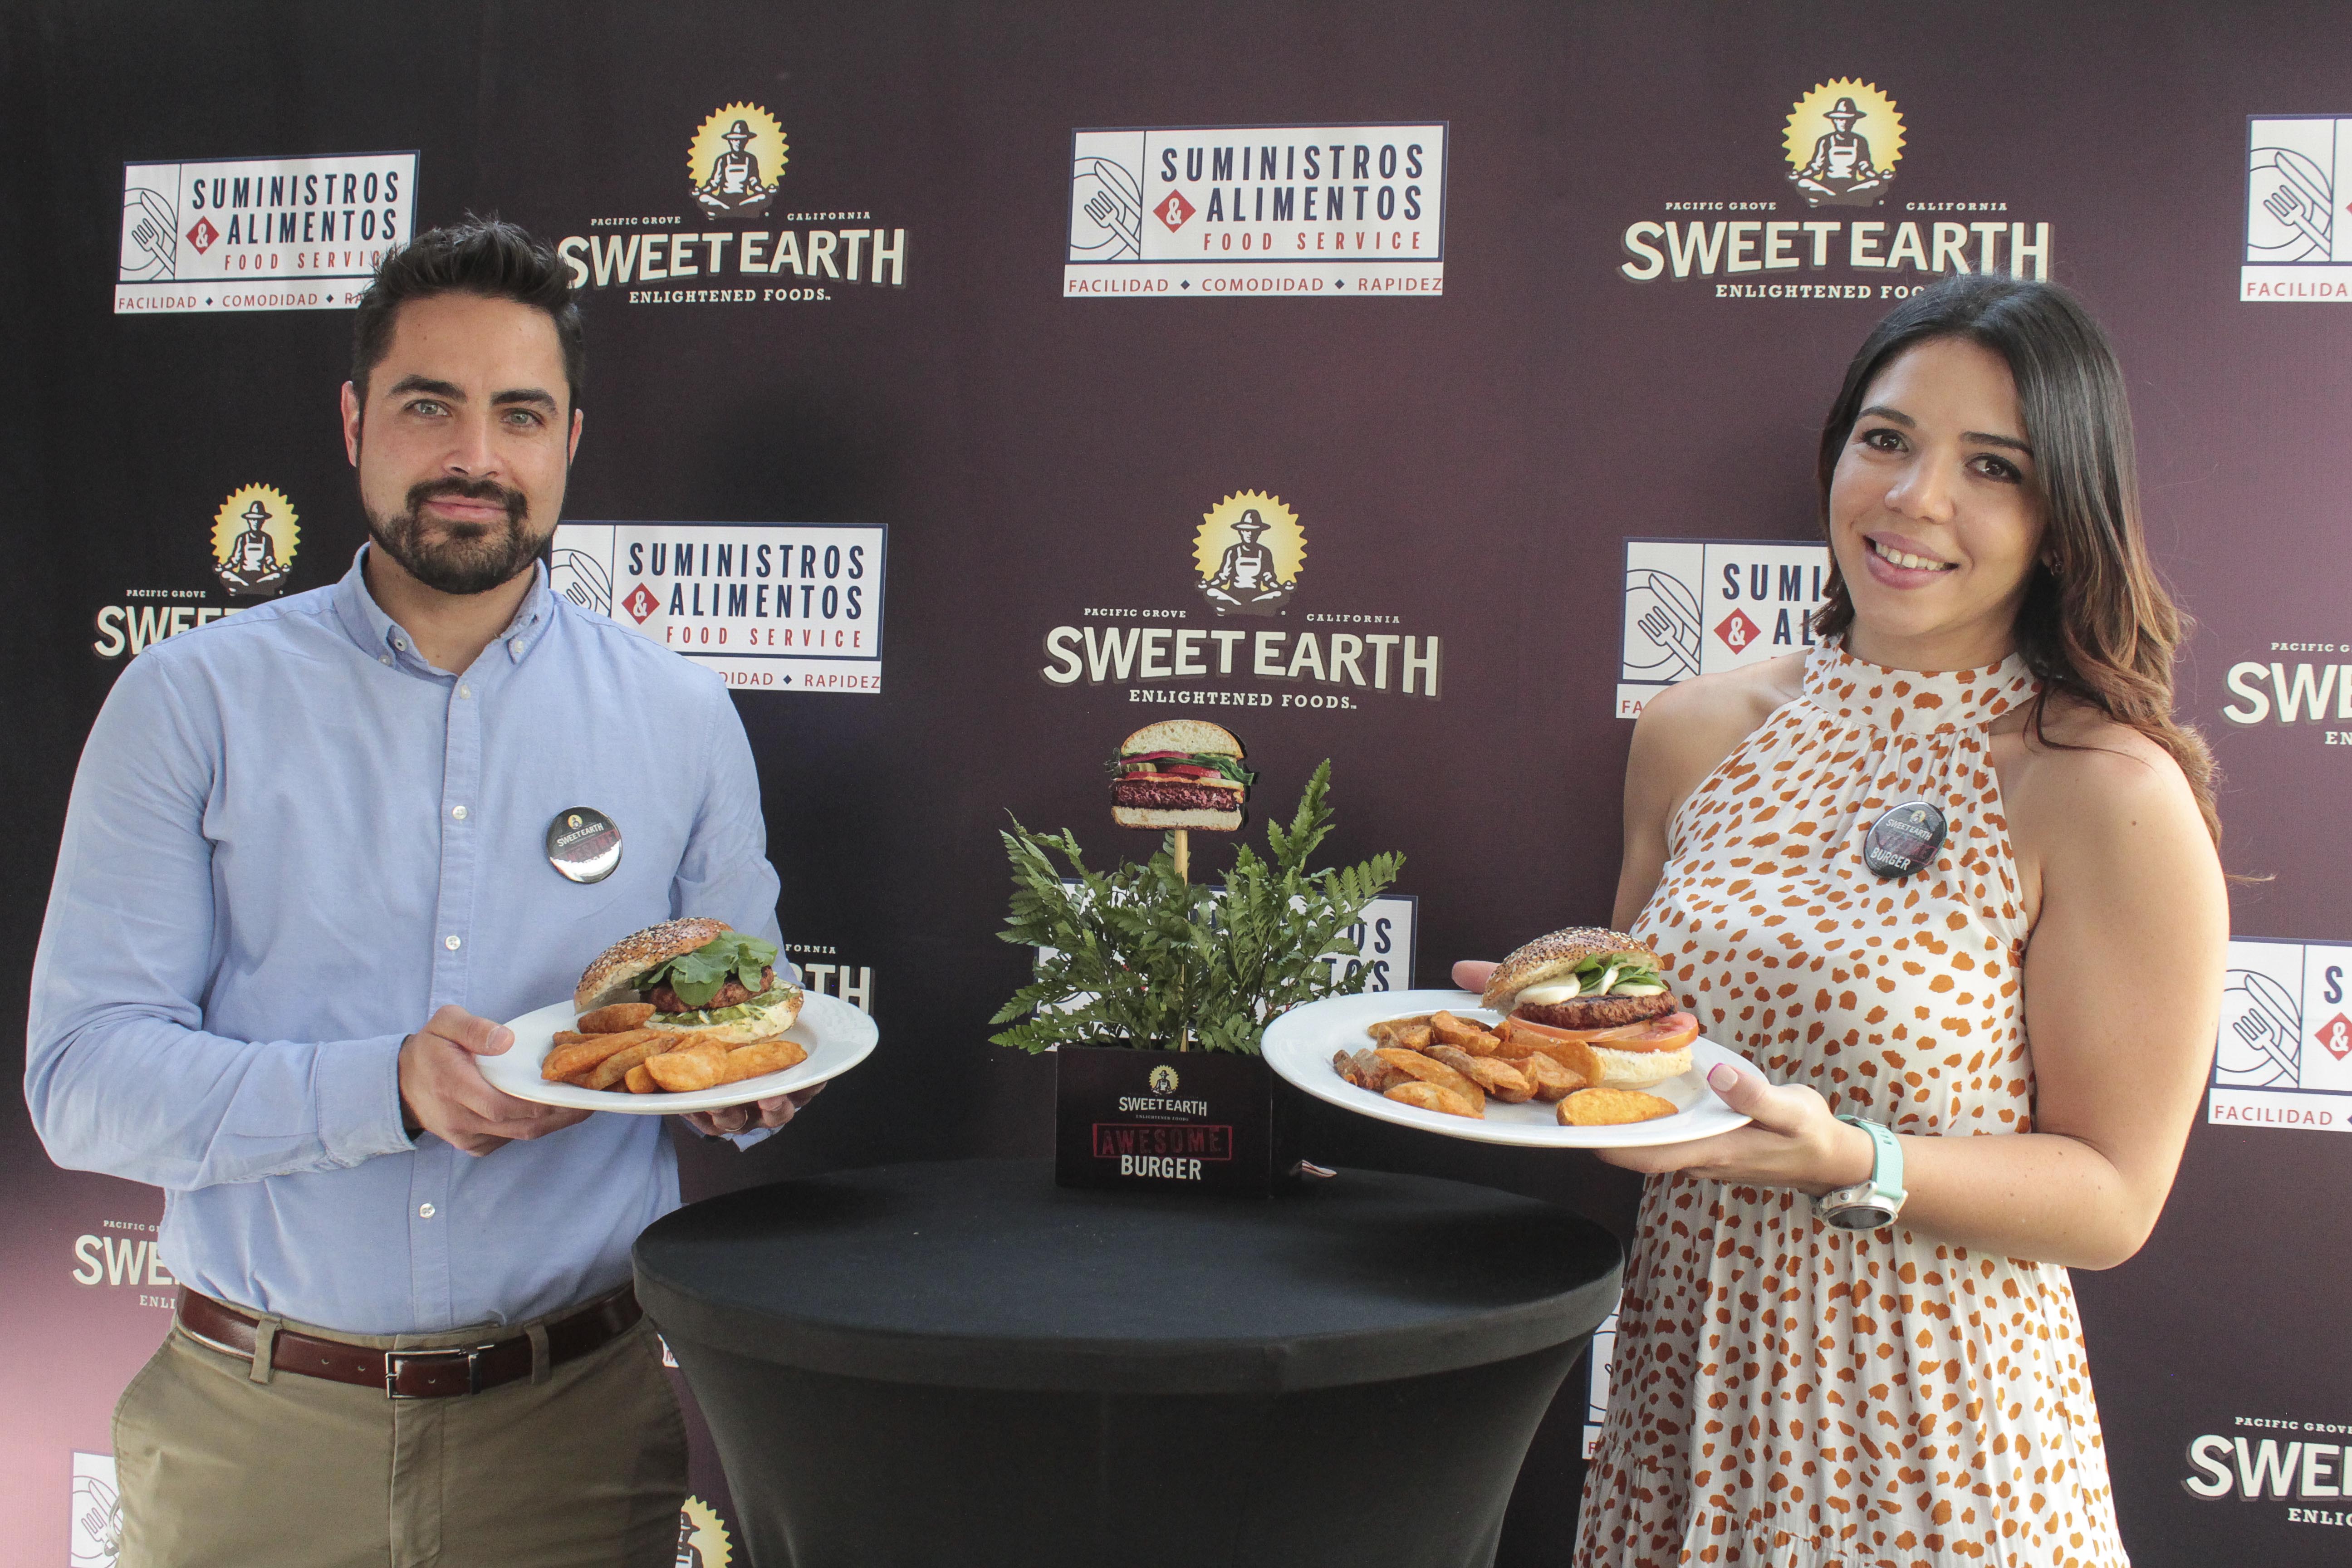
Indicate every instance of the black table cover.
{"type": "Point", "coordinates": [963, 1363]}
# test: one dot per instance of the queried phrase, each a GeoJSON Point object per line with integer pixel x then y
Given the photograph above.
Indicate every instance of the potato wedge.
{"type": "Point", "coordinates": [1428, 1069]}
{"type": "Point", "coordinates": [1437, 1097]}
{"type": "Point", "coordinates": [616, 1068]}
{"type": "Point", "coordinates": [1551, 1080]}
{"type": "Point", "coordinates": [762, 1058]}
{"type": "Point", "coordinates": [618, 1018]}
{"type": "Point", "coordinates": [639, 1080]}
{"type": "Point", "coordinates": [1613, 1107]}
{"type": "Point", "coordinates": [567, 1061]}
{"type": "Point", "coordinates": [682, 1072]}
{"type": "Point", "coordinates": [1497, 1077]}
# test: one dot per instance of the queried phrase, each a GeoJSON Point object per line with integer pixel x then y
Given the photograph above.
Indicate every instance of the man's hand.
{"type": "Point", "coordinates": [443, 1091]}
{"type": "Point", "coordinates": [773, 1112]}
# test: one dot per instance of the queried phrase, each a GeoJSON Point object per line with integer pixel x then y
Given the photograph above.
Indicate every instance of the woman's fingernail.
{"type": "Point", "coordinates": [1722, 1076]}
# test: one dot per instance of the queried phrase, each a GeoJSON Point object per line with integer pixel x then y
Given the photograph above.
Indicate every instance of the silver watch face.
{"type": "Point", "coordinates": [1861, 1216]}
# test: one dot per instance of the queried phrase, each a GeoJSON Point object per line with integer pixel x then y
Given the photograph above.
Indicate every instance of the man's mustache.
{"type": "Point", "coordinates": [518, 506]}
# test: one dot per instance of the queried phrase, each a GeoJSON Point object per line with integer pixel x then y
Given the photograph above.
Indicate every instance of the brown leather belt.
{"type": "Point", "coordinates": [413, 1374]}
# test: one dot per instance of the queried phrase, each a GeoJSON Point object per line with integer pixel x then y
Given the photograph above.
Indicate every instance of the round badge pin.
{"type": "Point", "coordinates": [1904, 840]}
{"type": "Point", "coordinates": [583, 844]}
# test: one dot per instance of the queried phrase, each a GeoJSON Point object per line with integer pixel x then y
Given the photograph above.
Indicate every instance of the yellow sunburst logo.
{"type": "Point", "coordinates": [1249, 551]}
{"type": "Point", "coordinates": [736, 162]}
{"type": "Point", "coordinates": [254, 540]}
{"type": "Point", "coordinates": [1842, 141]}
{"type": "Point", "coordinates": [701, 1529]}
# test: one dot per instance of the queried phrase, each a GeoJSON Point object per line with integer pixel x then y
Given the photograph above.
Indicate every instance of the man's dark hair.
{"type": "Point", "coordinates": [489, 257]}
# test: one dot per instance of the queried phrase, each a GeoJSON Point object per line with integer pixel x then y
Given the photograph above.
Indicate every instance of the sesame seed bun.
{"type": "Point", "coordinates": [611, 977]}
{"type": "Point", "coordinates": [1194, 735]}
{"type": "Point", "coordinates": [1556, 954]}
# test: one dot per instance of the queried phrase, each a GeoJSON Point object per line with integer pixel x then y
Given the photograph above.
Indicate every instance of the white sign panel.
{"type": "Point", "coordinates": [772, 606]}
{"type": "Point", "coordinates": [1693, 606]}
{"type": "Point", "coordinates": [2298, 232]}
{"type": "Point", "coordinates": [1284, 211]}
{"type": "Point", "coordinates": [2284, 1054]}
{"type": "Point", "coordinates": [260, 234]}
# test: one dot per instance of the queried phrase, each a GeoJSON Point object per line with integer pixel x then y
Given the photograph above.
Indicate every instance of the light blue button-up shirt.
{"type": "Point", "coordinates": [291, 840]}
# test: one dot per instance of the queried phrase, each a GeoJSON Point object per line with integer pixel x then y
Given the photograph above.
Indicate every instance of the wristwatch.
{"type": "Point", "coordinates": [1872, 1205]}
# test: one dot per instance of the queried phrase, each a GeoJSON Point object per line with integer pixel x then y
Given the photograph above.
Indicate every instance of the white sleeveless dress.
{"type": "Point", "coordinates": [1786, 1393]}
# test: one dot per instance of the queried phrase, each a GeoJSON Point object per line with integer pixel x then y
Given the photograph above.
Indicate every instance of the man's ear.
{"type": "Point", "coordinates": [352, 424]}
{"type": "Point", "coordinates": [571, 448]}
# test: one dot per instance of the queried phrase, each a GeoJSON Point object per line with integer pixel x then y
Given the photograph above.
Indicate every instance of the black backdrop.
{"type": "Point", "coordinates": [1465, 466]}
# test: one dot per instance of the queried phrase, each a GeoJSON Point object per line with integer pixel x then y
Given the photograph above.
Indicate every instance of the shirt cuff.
{"type": "Point", "coordinates": [358, 1099]}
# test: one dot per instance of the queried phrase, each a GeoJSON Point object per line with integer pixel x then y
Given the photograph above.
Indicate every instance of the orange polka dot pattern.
{"type": "Point", "coordinates": [1784, 1393]}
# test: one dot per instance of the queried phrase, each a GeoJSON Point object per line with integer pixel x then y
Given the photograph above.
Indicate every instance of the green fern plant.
{"type": "Point", "coordinates": [1136, 956]}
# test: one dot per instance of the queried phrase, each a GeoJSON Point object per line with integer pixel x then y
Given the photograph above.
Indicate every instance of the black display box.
{"type": "Point", "coordinates": [1173, 1121]}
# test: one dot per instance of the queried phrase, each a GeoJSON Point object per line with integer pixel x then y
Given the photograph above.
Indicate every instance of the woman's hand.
{"type": "Point", "coordinates": [1472, 974]}
{"type": "Point", "coordinates": [1791, 1140]}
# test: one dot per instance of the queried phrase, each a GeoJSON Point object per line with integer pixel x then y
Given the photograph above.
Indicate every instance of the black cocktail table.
{"type": "Point", "coordinates": [961, 1365]}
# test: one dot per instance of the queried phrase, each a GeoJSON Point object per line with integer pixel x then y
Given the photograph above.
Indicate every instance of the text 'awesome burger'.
{"type": "Point", "coordinates": [1608, 990]}
{"type": "Point", "coordinates": [1180, 772]}
{"type": "Point", "coordinates": [700, 974]}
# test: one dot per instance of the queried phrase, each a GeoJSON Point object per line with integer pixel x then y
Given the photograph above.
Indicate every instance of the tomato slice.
{"type": "Point", "coordinates": [1529, 1029]}
{"type": "Point", "coordinates": [1670, 1033]}
{"type": "Point", "coordinates": [1187, 771]}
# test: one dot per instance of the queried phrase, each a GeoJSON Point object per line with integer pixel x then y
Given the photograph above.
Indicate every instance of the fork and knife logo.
{"type": "Point", "coordinates": [2296, 192]}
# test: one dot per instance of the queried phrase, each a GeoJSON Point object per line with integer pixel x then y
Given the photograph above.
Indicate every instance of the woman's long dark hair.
{"type": "Point", "coordinates": [2098, 624]}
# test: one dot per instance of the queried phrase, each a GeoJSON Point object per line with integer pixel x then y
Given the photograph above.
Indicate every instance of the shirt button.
{"type": "Point", "coordinates": [465, 691]}
{"type": "Point", "coordinates": [459, 812]}
{"type": "Point", "coordinates": [424, 1211]}
{"type": "Point", "coordinates": [452, 942]}
{"type": "Point", "coordinates": [383, 658]}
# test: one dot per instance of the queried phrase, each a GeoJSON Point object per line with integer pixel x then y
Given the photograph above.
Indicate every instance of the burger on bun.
{"type": "Point", "coordinates": [1603, 992]}
{"type": "Point", "coordinates": [1179, 773]}
{"type": "Point", "coordinates": [699, 974]}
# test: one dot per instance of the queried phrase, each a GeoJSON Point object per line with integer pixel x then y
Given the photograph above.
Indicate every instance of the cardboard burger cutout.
{"type": "Point", "coordinates": [1180, 773]}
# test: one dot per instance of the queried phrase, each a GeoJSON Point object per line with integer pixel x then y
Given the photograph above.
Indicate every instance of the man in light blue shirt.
{"type": "Point", "coordinates": [304, 871]}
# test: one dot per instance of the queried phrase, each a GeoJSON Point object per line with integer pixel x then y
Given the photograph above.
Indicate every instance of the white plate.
{"type": "Point", "coordinates": [838, 1037]}
{"type": "Point", "coordinates": [1300, 1044]}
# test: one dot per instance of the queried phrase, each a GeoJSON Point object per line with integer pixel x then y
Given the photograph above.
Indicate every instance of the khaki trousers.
{"type": "Point", "coordinates": [219, 1470]}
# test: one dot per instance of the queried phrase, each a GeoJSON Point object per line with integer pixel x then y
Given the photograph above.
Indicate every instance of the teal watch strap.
{"type": "Point", "coordinates": [1886, 1162]}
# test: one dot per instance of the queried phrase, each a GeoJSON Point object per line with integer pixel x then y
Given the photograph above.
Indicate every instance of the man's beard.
{"type": "Point", "coordinates": [468, 557]}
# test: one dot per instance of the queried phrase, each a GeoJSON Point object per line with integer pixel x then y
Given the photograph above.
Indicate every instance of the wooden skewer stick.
{"type": "Point", "coordinates": [1184, 874]}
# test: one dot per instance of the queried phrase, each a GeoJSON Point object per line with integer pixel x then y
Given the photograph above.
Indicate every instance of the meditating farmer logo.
{"type": "Point", "coordinates": [737, 162]}
{"type": "Point", "coordinates": [254, 540]}
{"type": "Point", "coordinates": [1248, 550]}
{"type": "Point", "coordinates": [1842, 141]}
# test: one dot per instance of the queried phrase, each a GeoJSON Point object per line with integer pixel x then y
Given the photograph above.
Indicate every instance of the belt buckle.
{"type": "Point", "coordinates": [394, 1360]}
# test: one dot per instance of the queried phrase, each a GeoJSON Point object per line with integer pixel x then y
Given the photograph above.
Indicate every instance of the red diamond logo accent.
{"type": "Point", "coordinates": [203, 234]}
{"type": "Point", "coordinates": [1738, 631]}
{"type": "Point", "coordinates": [2336, 1035]}
{"type": "Point", "coordinates": [640, 604]}
{"type": "Point", "coordinates": [1174, 211]}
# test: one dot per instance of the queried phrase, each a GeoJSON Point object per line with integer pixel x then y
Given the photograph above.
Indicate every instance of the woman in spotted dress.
{"type": "Point", "coordinates": [2032, 1014]}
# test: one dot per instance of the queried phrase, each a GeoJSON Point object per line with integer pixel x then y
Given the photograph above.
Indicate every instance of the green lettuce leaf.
{"type": "Point", "coordinates": [699, 975]}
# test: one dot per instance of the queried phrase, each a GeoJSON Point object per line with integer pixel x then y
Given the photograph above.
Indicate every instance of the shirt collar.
{"type": "Point", "coordinates": [382, 639]}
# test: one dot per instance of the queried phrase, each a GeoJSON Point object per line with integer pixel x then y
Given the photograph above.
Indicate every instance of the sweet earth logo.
{"type": "Point", "coordinates": [1246, 560]}
{"type": "Point", "coordinates": [1249, 550]}
{"type": "Point", "coordinates": [1840, 145]}
{"type": "Point", "coordinates": [727, 165]}
{"type": "Point", "coordinates": [702, 1539]}
{"type": "Point", "coordinates": [735, 171]}
{"type": "Point", "coordinates": [1831, 162]}
{"type": "Point", "coordinates": [254, 540]}
{"type": "Point", "coordinates": [252, 536]}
